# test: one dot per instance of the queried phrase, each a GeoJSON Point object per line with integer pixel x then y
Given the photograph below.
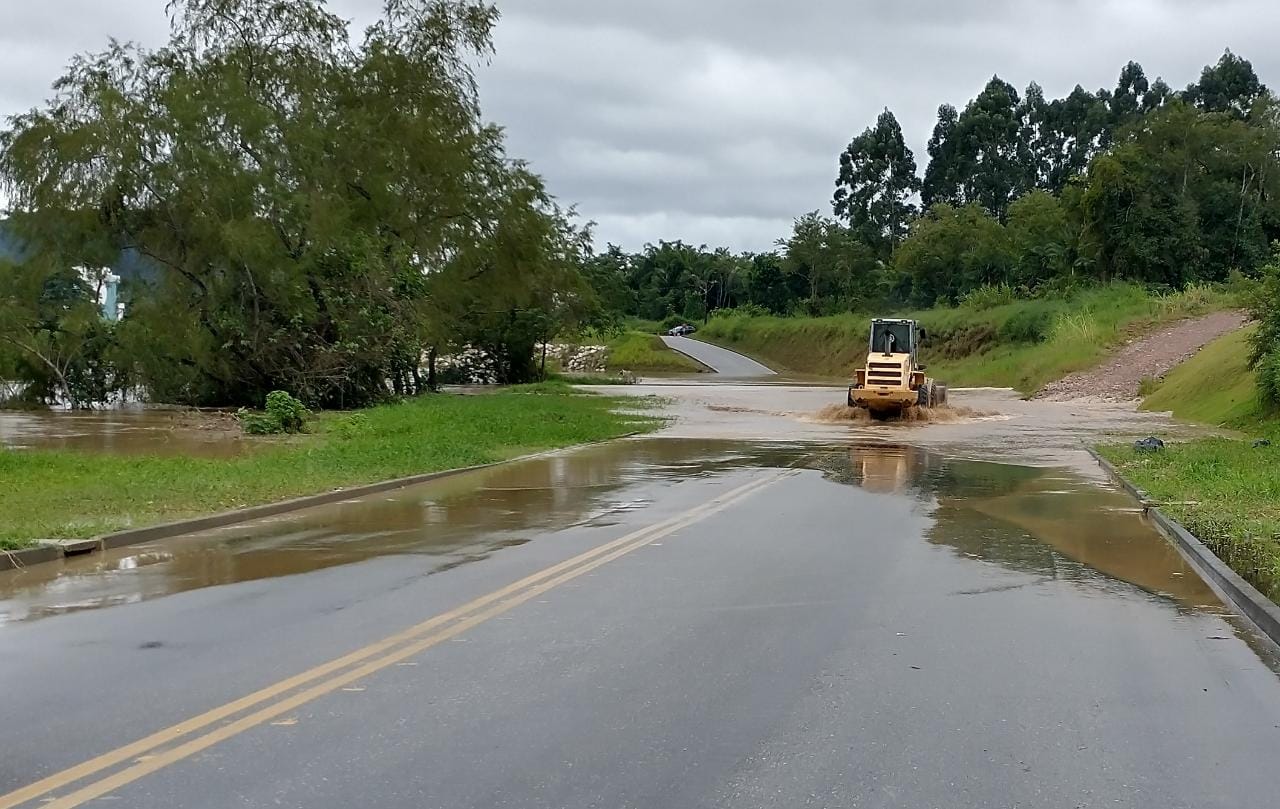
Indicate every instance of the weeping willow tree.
{"type": "Point", "coordinates": [317, 209]}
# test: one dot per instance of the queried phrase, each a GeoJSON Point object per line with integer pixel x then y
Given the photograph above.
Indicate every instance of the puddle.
{"type": "Point", "coordinates": [1050, 525]}
{"type": "Point", "coordinates": [453, 521]}
{"type": "Point", "coordinates": [1029, 519]}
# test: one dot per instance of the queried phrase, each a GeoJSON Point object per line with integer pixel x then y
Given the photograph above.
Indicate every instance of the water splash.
{"type": "Point", "coordinates": [947, 414]}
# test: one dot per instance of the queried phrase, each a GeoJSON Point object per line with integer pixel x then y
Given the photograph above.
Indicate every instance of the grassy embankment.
{"type": "Point", "coordinates": [1021, 344]}
{"type": "Point", "coordinates": [646, 354]}
{"type": "Point", "coordinates": [1224, 490]}
{"type": "Point", "coordinates": [62, 494]}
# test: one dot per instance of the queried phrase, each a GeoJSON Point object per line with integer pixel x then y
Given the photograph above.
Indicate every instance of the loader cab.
{"type": "Point", "coordinates": [896, 337]}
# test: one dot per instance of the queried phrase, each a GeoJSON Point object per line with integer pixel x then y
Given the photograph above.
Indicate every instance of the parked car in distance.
{"type": "Point", "coordinates": [681, 330]}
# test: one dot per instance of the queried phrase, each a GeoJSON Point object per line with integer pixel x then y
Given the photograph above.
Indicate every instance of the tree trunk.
{"type": "Point", "coordinates": [431, 369]}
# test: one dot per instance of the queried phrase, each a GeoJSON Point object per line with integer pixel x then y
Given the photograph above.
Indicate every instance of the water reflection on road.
{"type": "Point", "coordinates": [1044, 523]}
{"type": "Point", "coordinates": [1048, 523]}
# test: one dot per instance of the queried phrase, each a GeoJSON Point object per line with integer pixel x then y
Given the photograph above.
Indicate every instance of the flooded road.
{"type": "Point", "coordinates": [991, 423]}
{"type": "Point", "coordinates": [754, 608]}
{"type": "Point", "coordinates": [1048, 518]}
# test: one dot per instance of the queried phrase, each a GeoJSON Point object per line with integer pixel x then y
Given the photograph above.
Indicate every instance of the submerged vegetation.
{"type": "Point", "coordinates": [57, 494]}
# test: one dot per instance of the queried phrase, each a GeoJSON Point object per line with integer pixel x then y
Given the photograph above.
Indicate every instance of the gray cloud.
{"type": "Point", "coordinates": [718, 121]}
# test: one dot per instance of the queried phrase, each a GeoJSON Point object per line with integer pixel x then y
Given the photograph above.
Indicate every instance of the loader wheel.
{"type": "Point", "coordinates": [928, 395]}
{"type": "Point", "coordinates": [922, 396]}
{"type": "Point", "coordinates": [850, 400]}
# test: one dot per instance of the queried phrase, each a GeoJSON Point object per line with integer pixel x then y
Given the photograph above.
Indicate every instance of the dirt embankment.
{"type": "Point", "coordinates": [1154, 355]}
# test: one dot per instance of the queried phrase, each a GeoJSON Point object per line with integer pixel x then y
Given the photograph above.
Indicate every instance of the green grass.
{"type": "Point", "coordinates": [62, 494]}
{"type": "Point", "coordinates": [1021, 345]}
{"type": "Point", "coordinates": [574, 378]}
{"type": "Point", "coordinates": [1225, 491]}
{"type": "Point", "coordinates": [646, 353]}
{"type": "Point", "coordinates": [1216, 386]}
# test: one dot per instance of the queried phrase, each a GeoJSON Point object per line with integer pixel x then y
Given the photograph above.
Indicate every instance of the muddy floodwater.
{"type": "Point", "coordinates": [983, 423]}
{"type": "Point", "coordinates": [1031, 525]}
{"type": "Point", "coordinates": [129, 431]}
{"type": "Point", "coordinates": [1004, 482]}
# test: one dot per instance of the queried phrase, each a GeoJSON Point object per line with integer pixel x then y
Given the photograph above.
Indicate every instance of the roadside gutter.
{"type": "Point", "coordinates": [1234, 591]}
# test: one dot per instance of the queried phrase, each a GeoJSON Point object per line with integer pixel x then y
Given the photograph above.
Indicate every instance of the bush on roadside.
{"type": "Point", "coordinates": [988, 296]}
{"type": "Point", "coordinates": [283, 414]}
{"type": "Point", "coordinates": [1078, 327]}
{"type": "Point", "coordinates": [745, 310]}
{"type": "Point", "coordinates": [1148, 385]}
{"type": "Point", "coordinates": [352, 425]}
{"type": "Point", "coordinates": [672, 321]}
{"type": "Point", "coordinates": [1030, 324]}
{"type": "Point", "coordinates": [1266, 339]}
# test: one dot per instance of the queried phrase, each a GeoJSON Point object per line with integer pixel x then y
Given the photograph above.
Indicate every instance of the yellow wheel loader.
{"type": "Point", "coordinates": [893, 380]}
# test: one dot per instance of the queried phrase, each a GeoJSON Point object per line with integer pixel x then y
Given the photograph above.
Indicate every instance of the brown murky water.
{"type": "Point", "coordinates": [947, 414]}
{"type": "Point", "coordinates": [983, 423]}
{"type": "Point", "coordinates": [1046, 523]}
{"type": "Point", "coordinates": [136, 431]}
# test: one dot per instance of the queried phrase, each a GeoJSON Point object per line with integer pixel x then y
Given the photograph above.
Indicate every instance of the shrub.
{"type": "Point", "coordinates": [1027, 325]}
{"type": "Point", "coordinates": [1081, 327]}
{"type": "Point", "coordinates": [283, 414]}
{"type": "Point", "coordinates": [1148, 385]}
{"type": "Point", "coordinates": [988, 296]}
{"type": "Point", "coordinates": [1266, 339]}
{"type": "Point", "coordinates": [350, 426]}
{"type": "Point", "coordinates": [745, 310]}
{"type": "Point", "coordinates": [1268, 374]}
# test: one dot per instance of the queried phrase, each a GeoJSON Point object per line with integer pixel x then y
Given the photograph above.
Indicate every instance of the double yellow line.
{"type": "Point", "coordinates": [162, 748]}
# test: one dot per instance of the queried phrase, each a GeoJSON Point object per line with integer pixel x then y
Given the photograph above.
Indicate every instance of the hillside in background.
{"type": "Point", "coordinates": [1022, 344]}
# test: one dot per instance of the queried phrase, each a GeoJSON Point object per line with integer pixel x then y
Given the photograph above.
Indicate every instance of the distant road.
{"type": "Point", "coordinates": [721, 360]}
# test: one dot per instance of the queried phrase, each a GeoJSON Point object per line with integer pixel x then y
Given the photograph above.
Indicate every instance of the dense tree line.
{"type": "Point", "coordinates": [1141, 182]}
{"type": "Point", "coordinates": [325, 213]}
{"type": "Point", "coordinates": [318, 211]}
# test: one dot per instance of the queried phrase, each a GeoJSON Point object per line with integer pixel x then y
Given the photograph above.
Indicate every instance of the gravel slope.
{"type": "Point", "coordinates": [1117, 379]}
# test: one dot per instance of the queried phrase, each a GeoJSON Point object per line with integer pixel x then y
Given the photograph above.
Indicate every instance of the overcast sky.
{"type": "Point", "coordinates": [716, 121]}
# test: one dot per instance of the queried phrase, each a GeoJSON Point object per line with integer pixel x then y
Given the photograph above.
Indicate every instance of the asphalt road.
{"type": "Point", "coordinates": [721, 360]}
{"type": "Point", "coordinates": [654, 623]}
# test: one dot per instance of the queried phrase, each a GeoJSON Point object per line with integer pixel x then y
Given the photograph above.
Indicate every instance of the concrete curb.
{"type": "Point", "coordinates": [1233, 590]}
{"type": "Point", "coordinates": [29, 556]}
{"type": "Point", "coordinates": [53, 550]}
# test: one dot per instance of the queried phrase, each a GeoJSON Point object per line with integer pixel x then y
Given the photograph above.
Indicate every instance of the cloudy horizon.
{"type": "Point", "coordinates": [718, 122]}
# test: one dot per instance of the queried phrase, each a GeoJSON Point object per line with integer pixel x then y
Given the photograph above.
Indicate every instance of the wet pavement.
{"type": "Point", "coordinates": [722, 361]}
{"type": "Point", "coordinates": [960, 613]}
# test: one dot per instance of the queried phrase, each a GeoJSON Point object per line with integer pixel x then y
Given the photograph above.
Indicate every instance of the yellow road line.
{"type": "Point", "coordinates": [507, 597]}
